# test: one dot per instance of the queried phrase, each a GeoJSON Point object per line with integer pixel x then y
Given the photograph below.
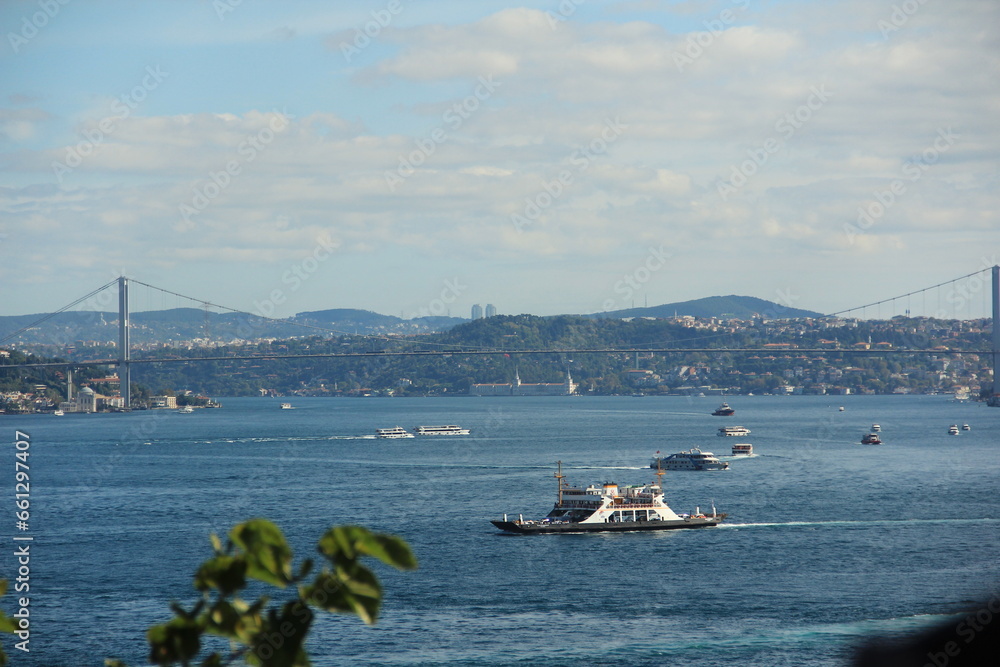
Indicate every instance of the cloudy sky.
{"type": "Point", "coordinates": [411, 157]}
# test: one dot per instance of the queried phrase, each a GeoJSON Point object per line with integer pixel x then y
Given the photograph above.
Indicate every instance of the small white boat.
{"type": "Point", "coordinates": [451, 429]}
{"type": "Point", "coordinates": [59, 413]}
{"type": "Point", "coordinates": [733, 431]}
{"type": "Point", "coordinates": [953, 429]}
{"type": "Point", "coordinates": [841, 409]}
{"type": "Point", "coordinates": [185, 410]}
{"type": "Point", "coordinates": [743, 449]}
{"type": "Point", "coordinates": [876, 428]}
{"type": "Point", "coordinates": [286, 406]}
{"type": "Point", "coordinates": [966, 427]}
{"type": "Point", "coordinates": [394, 432]}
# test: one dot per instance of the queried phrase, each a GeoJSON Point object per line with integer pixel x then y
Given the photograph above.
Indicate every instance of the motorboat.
{"type": "Point", "coordinates": [724, 411]}
{"type": "Point", "coordinates": [871, 439]}
{"type": "Point", "coordinates": [953, 429]}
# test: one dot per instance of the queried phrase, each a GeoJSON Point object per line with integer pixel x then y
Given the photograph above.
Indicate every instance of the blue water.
{"type": "Point", "coordinates": [827, 541]}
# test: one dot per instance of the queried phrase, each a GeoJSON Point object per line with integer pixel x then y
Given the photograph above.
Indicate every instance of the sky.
{"type": "Point", "coordinates": [573, 156]}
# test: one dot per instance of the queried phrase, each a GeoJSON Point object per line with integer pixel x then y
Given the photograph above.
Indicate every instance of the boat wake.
{"type": "Point", "coordinates": [876, 522]}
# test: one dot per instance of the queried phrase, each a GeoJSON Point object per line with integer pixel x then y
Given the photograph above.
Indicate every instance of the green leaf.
{"type": "Point", "coordinates": [227, 574]}
{"type": "Point", "coordinates": [178, 640]}
{"type": "Point", "coordinates": [7, 624]}
{"type": "Point", "coordinates": [342, 543]}
{"type": "Point", "coordinates": [269, 558]}
{"type": "Point", "coordinates": [347, 591]}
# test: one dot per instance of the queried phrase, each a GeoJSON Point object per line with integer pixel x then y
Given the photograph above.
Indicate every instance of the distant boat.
{"type": "Point", "coordinates": [733, 431]}
{"type": "Point", "coordinates": [966, 427]}
{"type": "Point", "coordinates": [841, 408]}
{"type": "Point", "coordinates": [286, 406]}
{"type": "Point", "coordinates": [186, 410]}
{"type": "Point", "coordinates": [871, 439]}
{"type": "Point", "coordinates": [724, 411]}
{"type": "Point", "coordinates": [876, 428]}
{"type": "Point", "coordinates": [394, 432]}
{"type": "Point", "coordinates": [743, 450]}
{"type": "Point", "coordinates": [953, 429]}
{"type": "Point", "coordinates": [58, 413]}
{"type": "Point", "coordinates": [693, 459]}
{"type": "Point", "coordinates": [442, 430]}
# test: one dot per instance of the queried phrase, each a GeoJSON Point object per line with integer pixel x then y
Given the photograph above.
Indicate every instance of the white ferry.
{"type": "Point", "coordinates": [876, 428]}
{"type": "Point", "coordinates": [609, 507]}
{"type": "Point", "coordinates": [394, 432]}
{"type": "Point", "coordinates": [693, 459]}
{"type": "Point", "coordinates": [966, 427]}
{"type": "Point", "coordinates": [953, 429]}
{"type": "Point", "coordinates": [743, 450]}
{"type": "Point", "coordinates": [441, 430]}
{"type": "Point", "coordinates": [733, 431]}
{"type": "Point", "coordinates": [186, 410]}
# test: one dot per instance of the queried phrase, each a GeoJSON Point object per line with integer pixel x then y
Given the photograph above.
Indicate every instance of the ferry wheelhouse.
{"type": "Point", "coordinates": [733, 431]}
{"type": "Point", "coordinates": [441, 430]}
{"type": "Point", "coordinates": [394, 432]}
{"type": "Point", "coordinates": [693, 459]}
{"type": "Point", "coordinates": [609, 507]}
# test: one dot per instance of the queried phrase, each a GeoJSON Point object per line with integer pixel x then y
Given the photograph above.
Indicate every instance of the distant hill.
{"type": "Point", "coordinates": [180, 324]}
{"type": "Point", "coordinates": [732, 306]}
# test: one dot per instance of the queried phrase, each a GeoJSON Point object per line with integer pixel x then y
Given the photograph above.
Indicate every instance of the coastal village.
{"type": "Point", "coordinates": [779, 368]}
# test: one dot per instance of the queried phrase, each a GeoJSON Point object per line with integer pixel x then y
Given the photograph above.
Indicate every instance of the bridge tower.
{"type": "Point", "coordinates": [124, 357]}
{"type": "Point", "coordinates": [994, 399]}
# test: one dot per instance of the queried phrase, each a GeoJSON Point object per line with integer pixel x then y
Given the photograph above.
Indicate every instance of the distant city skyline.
{"type": "Point", "coordinates": [573, 157]}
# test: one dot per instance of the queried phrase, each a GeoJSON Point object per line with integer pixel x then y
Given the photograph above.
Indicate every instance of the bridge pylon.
{"type": "Point", "coordinates": [124, 344]}
{"type": "Point", "coordinates": [994, 398]}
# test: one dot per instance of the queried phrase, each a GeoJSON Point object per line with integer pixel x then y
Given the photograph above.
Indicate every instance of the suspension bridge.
{"type": "Point", "coordinates": [960, 289]}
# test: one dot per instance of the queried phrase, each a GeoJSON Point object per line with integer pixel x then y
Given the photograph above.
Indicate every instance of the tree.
{"type": "Point", "coordinates": [258, 634]}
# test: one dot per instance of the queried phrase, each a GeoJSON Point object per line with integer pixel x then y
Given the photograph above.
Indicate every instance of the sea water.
{"type": "Point", "coordinates": [827, 541]}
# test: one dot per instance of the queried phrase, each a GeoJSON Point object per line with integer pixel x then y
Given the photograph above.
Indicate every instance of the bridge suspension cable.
{"type": "Point", "coordinates": [909, 294]}
{"type": "Point", "coordinates": [45, 318]}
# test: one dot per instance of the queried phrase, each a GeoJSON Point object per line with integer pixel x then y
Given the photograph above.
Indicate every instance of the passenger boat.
{"type": "Point", "coordinates": [394, 432]}
{"type": "Point", "coordinates": [876, 428]}
{"type": "Point", "coordinates": [693, 459]}
{"type": "Point", "coordinates": [441, 430]}
{"type": "Point", "coordinates": [953, 429]}
{"type": "Point", "coordinates": [724, 411]}
{"type": "Point", "coordinates": [871, 439]}
{"type": "Point", "coordinates": [609, 507]}
{"type": "Point", "coordinates": [186, 410]}
{"type": "Point", "coordinates": [966, 427]}
{"type": "Point", "coordinates": [743, 450]}
{"type": "Point", "coordinates": [286, 406]}
{"type": "Point", "coordinates": [733, 431]}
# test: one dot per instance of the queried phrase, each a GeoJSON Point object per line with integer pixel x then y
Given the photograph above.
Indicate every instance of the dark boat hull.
{"type": "Point", "coordinates": [619, 527]}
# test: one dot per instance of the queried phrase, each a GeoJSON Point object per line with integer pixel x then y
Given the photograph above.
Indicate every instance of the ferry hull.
{"type": "Point", "coordinates": [620, 527]}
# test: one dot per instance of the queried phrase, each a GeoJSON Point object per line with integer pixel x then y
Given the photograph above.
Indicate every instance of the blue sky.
{"type": "Point", "coordinates": [546, 157]}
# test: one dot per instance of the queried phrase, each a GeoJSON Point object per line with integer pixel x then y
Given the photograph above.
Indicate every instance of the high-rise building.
{"type": "Point", "coordinates": [491, 310]}
{"type": "Point", "coordinates": [477, 311]}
